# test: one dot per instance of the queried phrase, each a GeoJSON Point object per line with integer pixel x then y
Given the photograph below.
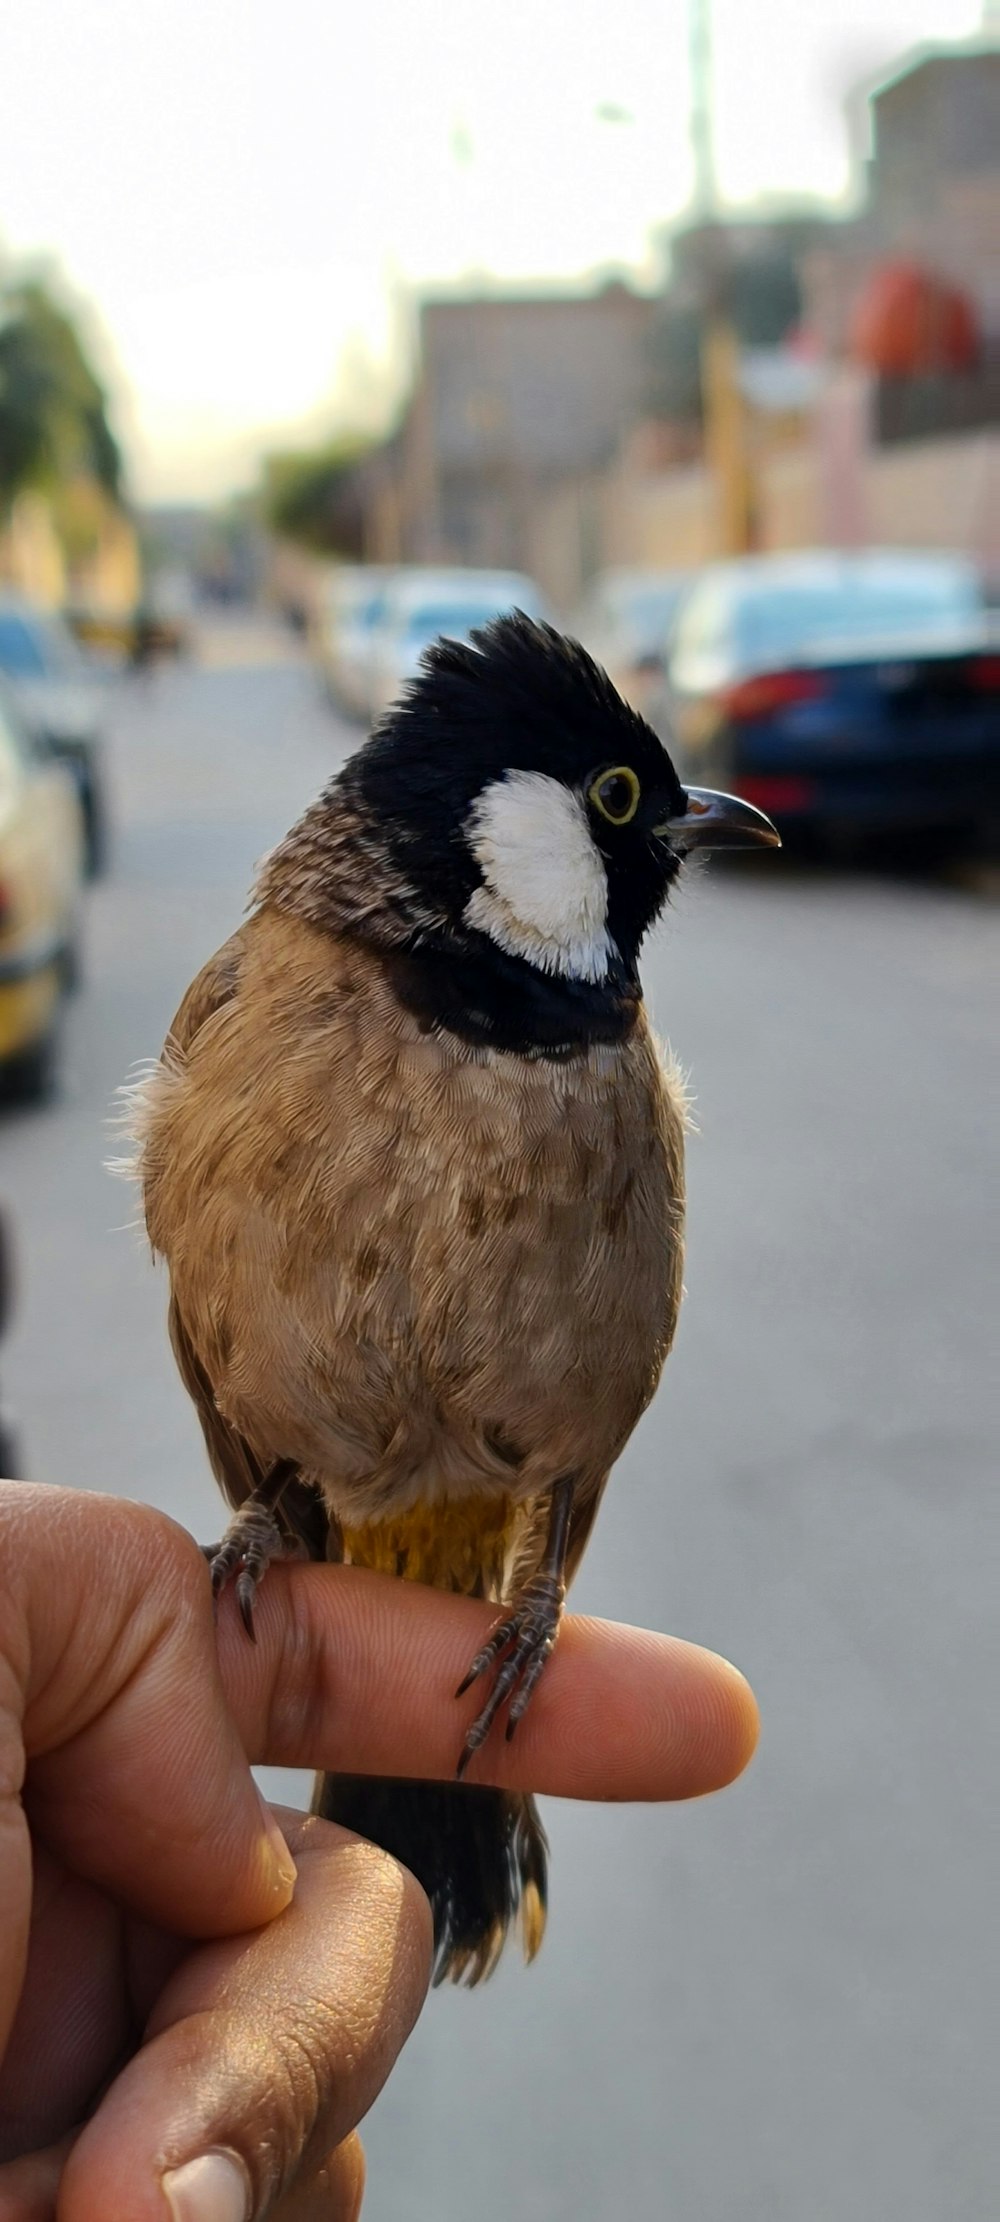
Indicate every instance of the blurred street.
{"type": "Point", "coordinates": [773, 2007]}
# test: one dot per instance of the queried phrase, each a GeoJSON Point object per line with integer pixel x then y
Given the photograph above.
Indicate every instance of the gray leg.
{"type": "Point", "coordinates": [523, 1641]}
{"type": "Point", "coordinates": [252, 1540]}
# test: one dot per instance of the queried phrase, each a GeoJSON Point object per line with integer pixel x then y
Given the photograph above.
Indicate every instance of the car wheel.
{"type": "Point", "coordinates": [10, 1452]}
{"type": "Point", "coordinates": [6, 1275]}
{"type": "Point", "coordinates": [95, 828]}
{"type": "Point", "coordinates": [71, 964]}
{"type": "Point", "coordinates": [31, 1078]}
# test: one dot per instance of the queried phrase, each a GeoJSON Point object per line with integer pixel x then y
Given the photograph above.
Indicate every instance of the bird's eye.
{"type": "Point", "coordinates": [615, 793]}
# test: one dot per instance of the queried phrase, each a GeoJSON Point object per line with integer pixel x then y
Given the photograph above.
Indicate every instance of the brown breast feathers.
{"type": "Point", "coordinates": [418, 1268]}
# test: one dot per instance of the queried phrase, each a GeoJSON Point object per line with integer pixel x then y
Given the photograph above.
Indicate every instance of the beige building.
{"type": "Point", "coordinates": [72, 546]}
{"type": "Point", "coordinates": [527, 443]}
{"type": "Point", "coordinates": [516, 396]}
{"type": "Point", "coordinates": [931, 175]}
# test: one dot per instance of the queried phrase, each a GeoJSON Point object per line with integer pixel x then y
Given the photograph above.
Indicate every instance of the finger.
{"type": "Point", "coordinates": [136, 1774]}
{"type": "Point", "coordinates": [333, 2194]}
{"type": "Point", "coordinates": [264, 2052]}
{"type": "Point", "coordinates": [15, 1859]}
{"type": "Point", "coordinates": [73, 2016]}
{"type": "Point", "coordinates": [29, 2188]}
{"type": "Point", "coordinates": [356, 1672]}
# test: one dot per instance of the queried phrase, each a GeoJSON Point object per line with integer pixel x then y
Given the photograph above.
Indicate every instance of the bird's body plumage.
{"type": "Point", "coordinates": [416, 1166]}
{"type": "Point", "coordinates": [424, 1271]}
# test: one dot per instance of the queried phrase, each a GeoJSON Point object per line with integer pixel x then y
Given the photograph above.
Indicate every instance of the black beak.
{"type": "Point", "coordinates": [713, 821]}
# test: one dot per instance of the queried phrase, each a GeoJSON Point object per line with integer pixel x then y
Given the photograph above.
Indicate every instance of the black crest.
{"type": "Point", "coordinates": [519, 697]}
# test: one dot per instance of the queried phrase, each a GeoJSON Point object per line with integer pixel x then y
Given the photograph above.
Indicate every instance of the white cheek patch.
{"type": "Point", "coordinates": [545, 890]}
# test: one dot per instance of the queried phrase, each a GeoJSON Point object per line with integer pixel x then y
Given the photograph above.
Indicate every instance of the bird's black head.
{"type": "Point", "coordinates": [524, 797]}
{"type": "Point", "coordinates": [530, 826]}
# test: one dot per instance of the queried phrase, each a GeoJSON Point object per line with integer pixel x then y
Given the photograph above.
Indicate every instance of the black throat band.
{"type": "Point", "coordinates": [501, 1002]}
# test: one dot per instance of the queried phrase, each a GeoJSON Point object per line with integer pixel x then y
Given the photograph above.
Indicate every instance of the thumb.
{"type": "Point", "coordinates": [135, 1773]}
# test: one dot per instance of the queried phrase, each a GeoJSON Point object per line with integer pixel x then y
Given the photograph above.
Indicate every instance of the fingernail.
{"type": "Point", "coordinates": [213, 2188]}
{"type": "Point", "coordinates": [285, 1870]}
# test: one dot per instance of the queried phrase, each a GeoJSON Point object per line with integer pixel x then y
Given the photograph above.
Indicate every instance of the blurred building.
{"type": "Point", "coordinates": [516, 396]}
{"type": "Point", "coordinates": [933, 176]}
{"type": "Point", "coordinates": [220, 555]}
{"type": "Point", "coordinates": [73, 545]}
{"type": "Point", "coordinates": [562, 434]}
{"type": "Point", "coordinates": [31, 554]}
{"type": "Point", "coordinates": [931, 204]}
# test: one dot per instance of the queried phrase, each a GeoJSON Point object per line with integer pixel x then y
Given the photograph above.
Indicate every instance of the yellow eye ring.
{"type": "Point", "coordinates": [615, 793]}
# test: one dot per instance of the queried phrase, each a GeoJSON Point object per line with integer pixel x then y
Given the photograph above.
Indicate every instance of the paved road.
{"type": "Point", "coordinates": [772, 2007]}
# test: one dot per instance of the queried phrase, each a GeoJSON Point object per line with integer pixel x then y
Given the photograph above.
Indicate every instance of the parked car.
{"type": "Point", "coordinates": [624, 619]}
{"type": "Point", "coordinates": [843, 693]}
{"type": "Point", "coordinates": [425, 605]}
{"type": "Point", "coordinates": [344, 632]}
{"type": "Point", "coordinates": [63, 700]}
{"type": "Point", "coordinates": [42, 852]}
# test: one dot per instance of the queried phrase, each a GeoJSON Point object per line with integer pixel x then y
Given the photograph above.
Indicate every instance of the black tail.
{"type": "Point", "coordinates": [479, 1854]}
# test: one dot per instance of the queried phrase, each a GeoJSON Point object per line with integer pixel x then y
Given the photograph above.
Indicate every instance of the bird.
{"type": "Point", "coordinates": [415, 1162]}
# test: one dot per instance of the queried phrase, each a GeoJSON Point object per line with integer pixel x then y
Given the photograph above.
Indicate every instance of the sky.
{"type": "Point", "coordinates": [248, 194]}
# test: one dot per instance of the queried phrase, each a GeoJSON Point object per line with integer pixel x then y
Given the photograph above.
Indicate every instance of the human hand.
{"type": "Point", "coordinates": [132, 2054]}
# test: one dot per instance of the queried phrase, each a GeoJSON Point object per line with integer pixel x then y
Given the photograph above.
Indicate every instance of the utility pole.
{"type": "Point", "coordinates": [724, 412]}
{"type": "Point", "coordinates": [703, 188]}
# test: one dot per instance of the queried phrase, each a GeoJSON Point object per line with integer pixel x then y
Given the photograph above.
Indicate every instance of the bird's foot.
{"type": "Point", "coordinates": [519, 1648]}
{"type": "Point", "coordinates": [252, 1540]}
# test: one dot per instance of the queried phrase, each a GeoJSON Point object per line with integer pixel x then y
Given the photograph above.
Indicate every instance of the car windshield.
{"type": "Point", "coordinates": [781, 621]}
{"type": "Point", "coordinates": [22, 648]}
{"type": "Point", "coordinates": [452, 620]}
{"type": "Point", "coordinates": [647, 610]}
{"type": "Point", "coordinates": [36, 648]}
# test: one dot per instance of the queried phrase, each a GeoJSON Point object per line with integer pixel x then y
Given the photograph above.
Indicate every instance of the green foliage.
{"type": "Point", "coordinates": [53, 411]}
{"type": "Point", "coordinates": [314, 497]}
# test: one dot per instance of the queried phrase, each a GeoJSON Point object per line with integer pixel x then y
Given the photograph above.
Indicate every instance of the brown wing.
{"type": "Point", "coordinates": [233, 1463]}
{"type": "Point", "coordinates": [236, 1466]}
{"type": "Point", "coordinates": [237, 1470]}
{"type": "Point", "coordinates": [215, 985]}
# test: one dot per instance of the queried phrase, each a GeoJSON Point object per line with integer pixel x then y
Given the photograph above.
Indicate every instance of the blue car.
{"type": "Point", "coordinates": [843, 694]}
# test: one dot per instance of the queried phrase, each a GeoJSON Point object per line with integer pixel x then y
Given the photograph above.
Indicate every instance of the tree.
{"type": "Point", "coordinates": [315, 497]}
{"type": "Point", "coordinates": [53, 410]}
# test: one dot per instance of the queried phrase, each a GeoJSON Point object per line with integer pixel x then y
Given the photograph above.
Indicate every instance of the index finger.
{"type": "Point", "coordinates": [356, 1672]}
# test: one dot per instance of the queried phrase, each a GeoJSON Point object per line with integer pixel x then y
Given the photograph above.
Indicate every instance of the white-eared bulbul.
{"type": "Point", "coordinates": [416, 1166]}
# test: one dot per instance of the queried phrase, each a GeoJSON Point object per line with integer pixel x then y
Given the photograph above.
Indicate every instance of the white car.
{"type": "Point", "coordinates": [422, 606]}
{"type": "Point", "coordinates": [345, 628]}
{"type": "Point", "coordinates": [624, 620]}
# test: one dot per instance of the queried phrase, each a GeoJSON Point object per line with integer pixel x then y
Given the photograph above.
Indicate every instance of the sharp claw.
{"type": "Point", "coordinates": [252, 1540]}
{"type": "Point", "coordinates": [487, 1657]}
{"type": "Point", "coordinates": [527, 1638]}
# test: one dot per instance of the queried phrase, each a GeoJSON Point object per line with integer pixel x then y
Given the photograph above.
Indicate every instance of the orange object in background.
{"type": "Point", "coordinates": [907, 321]}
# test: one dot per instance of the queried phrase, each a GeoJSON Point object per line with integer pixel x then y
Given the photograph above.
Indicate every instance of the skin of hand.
{"type": "Point", "coordinates": [199, 1999]}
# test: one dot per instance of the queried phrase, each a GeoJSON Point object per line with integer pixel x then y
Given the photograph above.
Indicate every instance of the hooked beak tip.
{"type": "Point", "coordinates": [711, 820]}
